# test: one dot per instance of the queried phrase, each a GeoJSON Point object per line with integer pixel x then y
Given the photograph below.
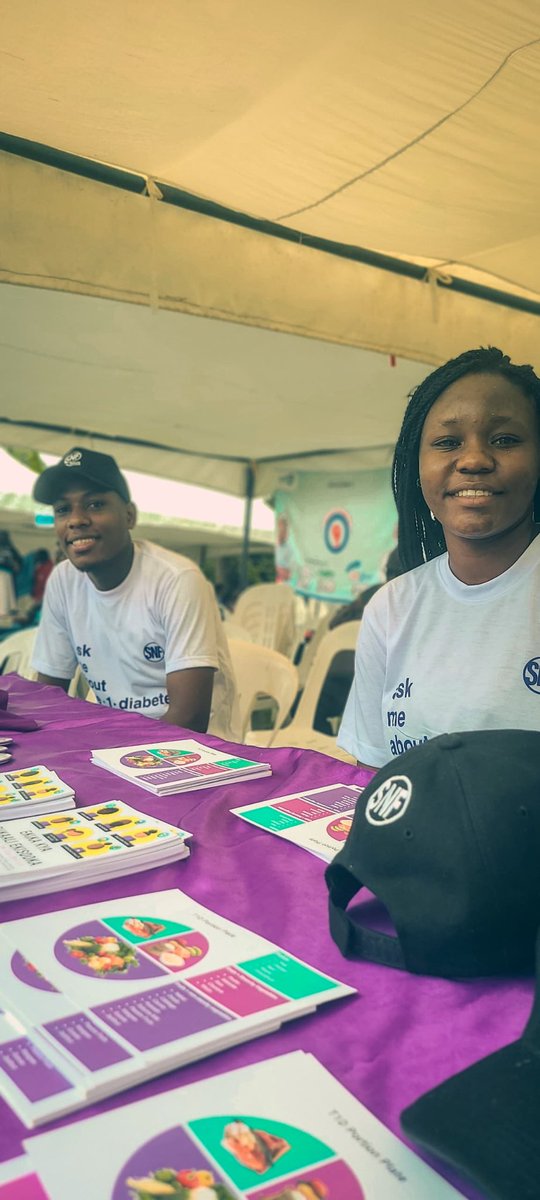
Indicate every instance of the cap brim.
{"type": "Point", "coordinates": [51, 483]}
{"type": "Point", "coordinates": [485, 1122]}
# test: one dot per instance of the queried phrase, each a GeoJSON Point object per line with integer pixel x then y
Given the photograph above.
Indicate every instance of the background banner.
{"type": "Point", "coordinates": [334, 531]}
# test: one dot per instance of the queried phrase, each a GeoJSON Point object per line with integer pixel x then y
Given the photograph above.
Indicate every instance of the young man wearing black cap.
{"type": "Point", "coordinates": [140, 621]}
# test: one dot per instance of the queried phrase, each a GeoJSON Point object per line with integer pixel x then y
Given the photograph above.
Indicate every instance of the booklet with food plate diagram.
{"type": "Point", "coordinates": [100, 997]}
{"type": "Point", "coordinates": [32, 790]}
{"type": "Point", "coordinates": [83, 846]}
{"type": "Point", "coordinates": [165, 768]}
{"type": "Point", "coordinates": [318, 819]}
{"type": "Point", "coordinates": [282, 1129]}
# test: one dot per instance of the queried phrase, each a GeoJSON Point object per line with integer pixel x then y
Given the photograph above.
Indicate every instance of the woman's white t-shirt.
{"type": "Point", "coordinates": [435, 655]}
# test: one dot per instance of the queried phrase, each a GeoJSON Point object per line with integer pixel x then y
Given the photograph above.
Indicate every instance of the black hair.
{"type": "Point", "coordinates": [421, 537]}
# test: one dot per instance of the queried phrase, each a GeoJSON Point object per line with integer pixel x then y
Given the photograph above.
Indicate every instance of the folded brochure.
{"type": "Point", "coordinates": [317, 819]}
{"type": "Point", "coordinates": [100, 997]}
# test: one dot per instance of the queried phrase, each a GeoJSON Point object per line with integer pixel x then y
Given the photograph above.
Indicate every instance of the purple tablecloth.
{"type": "Point", "coordinates": [399, 1036]}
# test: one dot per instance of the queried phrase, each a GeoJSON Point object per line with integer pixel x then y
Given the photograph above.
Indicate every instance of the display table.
{"type": "Point", "coordinates": [401, 1034]}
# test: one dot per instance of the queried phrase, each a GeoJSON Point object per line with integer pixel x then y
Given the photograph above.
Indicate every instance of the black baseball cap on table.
{"type": "Point", "coordinates": [485, 1120]}
{"type": "Point", "coordinates": [447, 837]}
{"type": "Point", "coordinates": [100, 469]}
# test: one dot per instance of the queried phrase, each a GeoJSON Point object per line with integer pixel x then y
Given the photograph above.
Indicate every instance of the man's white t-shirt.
{"type": "Point", "coordinates": [435, 655]}
{"type": "Point", "coordinates": [163, 617]}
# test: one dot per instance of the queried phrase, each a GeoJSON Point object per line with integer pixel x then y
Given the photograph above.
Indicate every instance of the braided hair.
{"type": "Point", "coordinates": [421, 537]}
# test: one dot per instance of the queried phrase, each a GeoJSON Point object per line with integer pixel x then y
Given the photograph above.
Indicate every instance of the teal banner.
{"type": "Point", "coordinates": [334, 532]}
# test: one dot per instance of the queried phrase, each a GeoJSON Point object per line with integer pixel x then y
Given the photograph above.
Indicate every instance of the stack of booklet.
{"type": "Point", "coordinates": [33, 790]}
{"type": "Point", "coordinates": [97, 998]}
{"type": "Point", "coordinates": [180, 766]}
{"type": "Point", "coordinates": [318, 820]}
{"type": "Point", "coordinates": [71, 849]}
{"type": "Point", "coordinates": [283, 1129]}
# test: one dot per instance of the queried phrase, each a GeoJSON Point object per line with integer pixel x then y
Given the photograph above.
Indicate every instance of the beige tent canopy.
{"type": "Point", "coordinates": [297, 192]}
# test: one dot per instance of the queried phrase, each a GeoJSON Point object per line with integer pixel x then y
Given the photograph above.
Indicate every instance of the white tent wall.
{"type": "Point", "coordinates": [67, 232]}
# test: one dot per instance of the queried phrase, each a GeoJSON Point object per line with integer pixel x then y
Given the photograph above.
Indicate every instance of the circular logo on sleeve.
{"type": "Point", "coordinates": [531, 674]}
{"type": "Point", "coordinates": [153, 653]}
{"type": "Point", "coordinates": [389, 801]}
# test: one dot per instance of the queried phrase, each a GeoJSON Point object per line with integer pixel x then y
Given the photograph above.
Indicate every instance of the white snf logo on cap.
{"type": "Point", "coordinates": [389, 801]}
{"type": "Point", "coordinates": [73, 459]}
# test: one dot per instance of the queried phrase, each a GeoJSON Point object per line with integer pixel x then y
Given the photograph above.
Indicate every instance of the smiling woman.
{"type": "Point", "coordinates": [454, 643]}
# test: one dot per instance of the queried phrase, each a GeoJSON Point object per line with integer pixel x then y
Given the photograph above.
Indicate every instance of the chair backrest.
{"type": "Point", "coordinates": [16, 653]}
{"type": "Point", "coordinates": [260, 671]}
{"type": "Point", "coordinates": [311, 647]}
{"type": "Point", "coordinates": [268, 612]}
{"type": "Point", "coordinates": [344, 637]}
{"type": "Point", "coordinates": [232, 629]}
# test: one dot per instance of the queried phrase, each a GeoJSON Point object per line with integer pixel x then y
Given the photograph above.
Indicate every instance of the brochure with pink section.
{"type": "Point", "coordinates": [100, 997]}
{"type": "Point", "coordinates": [318, 820]}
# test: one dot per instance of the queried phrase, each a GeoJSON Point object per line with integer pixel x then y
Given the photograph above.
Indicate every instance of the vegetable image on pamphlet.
{"type": "Point", "coordinates": [318, 820]}
{"type": "Point", "coordinates": [109, 994]}
{"type": "Point", "coordinates": [166, 768]}
{"type": "Point", "coordinates": [83, 846]}
{"type": "Point", "coordinates": [281, 1129]}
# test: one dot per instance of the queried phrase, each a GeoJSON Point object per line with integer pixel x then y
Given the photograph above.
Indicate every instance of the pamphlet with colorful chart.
{"type": "Point", "coordinates": [283, 1129]}
{"type": "Point", "coordinates": [31, 790]}
{"type": "Point", "coordinates": [81, 846]}
{"type": "Point", "coordinates": [318, 820]}
{"type": "Point", "coordinates": [115, 992]}
{"type": "Point", "coordinates": [178, 766]}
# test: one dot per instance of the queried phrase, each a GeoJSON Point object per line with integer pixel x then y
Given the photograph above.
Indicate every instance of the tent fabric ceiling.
{"type": "Point", "coordinates": [407, 131]}
{"type": "Point", "coordinates": [411, 130]}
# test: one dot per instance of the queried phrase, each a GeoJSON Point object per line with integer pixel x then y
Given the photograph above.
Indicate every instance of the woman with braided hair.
{"type": "Point", "coordinates": [454, 643]}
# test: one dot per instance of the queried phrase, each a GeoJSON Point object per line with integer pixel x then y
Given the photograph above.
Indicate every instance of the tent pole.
{"type": "Point", "coordinates": [250, 488]}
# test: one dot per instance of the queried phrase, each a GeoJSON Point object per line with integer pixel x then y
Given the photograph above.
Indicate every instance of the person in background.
{"type": "Point", "coordinates": [454, 643]}
{"type": "Point", "coordinates": [141, 622]}
{"type": "Point", "coordinates": [354, 610]}
{"type": "Point", "coordinates": [283, 553]}
{"type": "Point", "coordinates": [43, 566]}
{"type": "Point", "coordinates": [337, 684]}
{"type": "Point", "coordinates": [10, 565]}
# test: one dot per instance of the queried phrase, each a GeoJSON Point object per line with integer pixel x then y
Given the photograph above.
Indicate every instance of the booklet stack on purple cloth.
{"type": "Point", "coordinates": [166, 768]}
{"type": "Point", "coordinates": [31, 791]}
{"type": "Point", "coordinates": [97, 998]}
{"type": "Point", "coordinates": [83, 846]}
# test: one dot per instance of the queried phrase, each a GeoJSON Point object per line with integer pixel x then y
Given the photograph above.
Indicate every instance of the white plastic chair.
{"type": "Point", "coordinates": [232, 629]}
{"type": "Point", "coordinates": [268, 612]}
{"type": "Point", "coordinates": [300, 732]}
{"type": "Point", "coordinates": [260, 671]}
{"type": "Point", "coordinates": [16, 653]}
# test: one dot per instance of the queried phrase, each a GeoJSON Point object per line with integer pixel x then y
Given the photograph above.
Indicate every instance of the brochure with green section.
{"type": "Point", "coordinates": [184, 765]}
{"type": "Point", "coordinates": [108, 994]}
{"type": "Point", "coordinates": [281, 1129]}
{"type": "Point", "coordinates": [318, 820]}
